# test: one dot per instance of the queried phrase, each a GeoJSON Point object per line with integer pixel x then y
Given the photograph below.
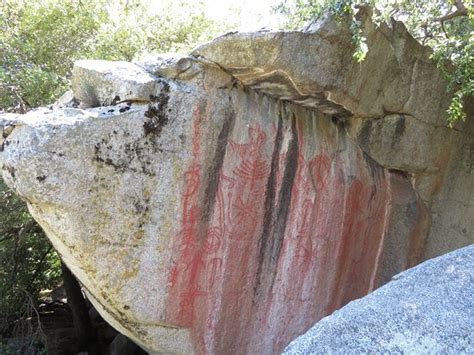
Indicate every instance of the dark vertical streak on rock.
{"type": "Point", "coordinates": [363, 138]}
{"type": "Point", "coordinates": [216, 166]}
{"type": "Point", "coordinates": [274, 233]}
{"type": "Point", "coordinates": [269, 203]}
{"type": "Point", "coordinates": [284, 200]}
{"type": "Point", "coordinates": [377, 171]}
{"type": "Point", "coordinates": [399, 130]}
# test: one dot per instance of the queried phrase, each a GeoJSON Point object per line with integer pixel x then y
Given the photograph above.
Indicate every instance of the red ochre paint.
{"type": "Point", "coordinates": [329, 254]}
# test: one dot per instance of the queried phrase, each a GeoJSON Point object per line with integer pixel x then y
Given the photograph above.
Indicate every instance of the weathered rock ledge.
{"type": "Point", "coordinates": [224, 202]}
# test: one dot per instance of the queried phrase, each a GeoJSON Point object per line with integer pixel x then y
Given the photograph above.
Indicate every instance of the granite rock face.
{"type": "Point", "coordinates": [225, 201]}
{"type": "Point", "coordinates": [428, 309]}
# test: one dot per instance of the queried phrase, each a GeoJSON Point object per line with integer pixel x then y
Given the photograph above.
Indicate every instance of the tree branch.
{"type": "Point", "coordinates": [444, 30]}
{"type": "Point", "coordinates": [10, 235]}
{"type": "Point", "coordinates": [460, 11]}
{"type": "Point", "coordinates": [38, 269]}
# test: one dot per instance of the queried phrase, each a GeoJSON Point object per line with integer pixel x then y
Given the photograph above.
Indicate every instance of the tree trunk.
{"type": "Point", "coordinates": [82, 325]}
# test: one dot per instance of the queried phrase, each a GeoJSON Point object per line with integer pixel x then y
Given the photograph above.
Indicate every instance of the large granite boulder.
{"type": "Point", "coordinates": [428, 309]}
{"type": "Point", "coordinates": [225, 201]}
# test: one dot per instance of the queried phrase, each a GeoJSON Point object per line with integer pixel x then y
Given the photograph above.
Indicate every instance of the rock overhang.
{"type": "Point", "coordinates": [200, 186]}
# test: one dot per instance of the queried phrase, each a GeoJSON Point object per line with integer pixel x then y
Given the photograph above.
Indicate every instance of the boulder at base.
{"type": "Point", "coordinates": [428, 309]}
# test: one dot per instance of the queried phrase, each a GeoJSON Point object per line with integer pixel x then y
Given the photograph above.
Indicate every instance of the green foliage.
{"type": "Point", "coordinates": [7, 350]}
{"type": "Point", "coordinates": [133, 30]}
{"type": "Point", "coordinates": [32, 85]}
{"type": "Point", "coordinates": [40, 40]}
{"type": "Point", "coordinates": [449, 37]}
{"type": "Point", "coordinates": [50, 34]}
{"type": "Point", "coordinates": [299, 12]}
{"type": "Point", "coordinates": [28, 263]}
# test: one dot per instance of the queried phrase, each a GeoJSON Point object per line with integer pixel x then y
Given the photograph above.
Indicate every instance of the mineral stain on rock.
{"type": "Point", "coordinates": [217, 162]}
{"type": "Point", "coordinates": [276, 211]}
{"type": "Point", "coordinates": [157, 111]}
{"type": "Point", "coordinates": [41, 178]}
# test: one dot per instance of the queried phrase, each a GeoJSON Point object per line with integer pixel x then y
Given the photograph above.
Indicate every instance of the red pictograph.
{"type": "Point", "coordinates": [191, 180]}
{"type": "Point", "coordinates": [213, 240]}
{"type": "Point", "coordinates": [252, 169]}
{"type": "Point", "coordinates": [332, 212]}
{"type": "Point", "coordinates": [184, 277]}
{"type": "Point", "coordinates": [257, 139]}
{"type": "Point", "coordinates": [214, 268]}
{"type": "Point", "coordinates": [320, 168]}
{"type": "Point", "coordinates": [244, 211]}
{"type": "Point", "coordinates": [253, 165]}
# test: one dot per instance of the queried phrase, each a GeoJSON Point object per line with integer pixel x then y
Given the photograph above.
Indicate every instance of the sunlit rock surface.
{"type": "Point", "coordinates": [226, 201]}
{"type": "Point", "coordinates": [426, 310]}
